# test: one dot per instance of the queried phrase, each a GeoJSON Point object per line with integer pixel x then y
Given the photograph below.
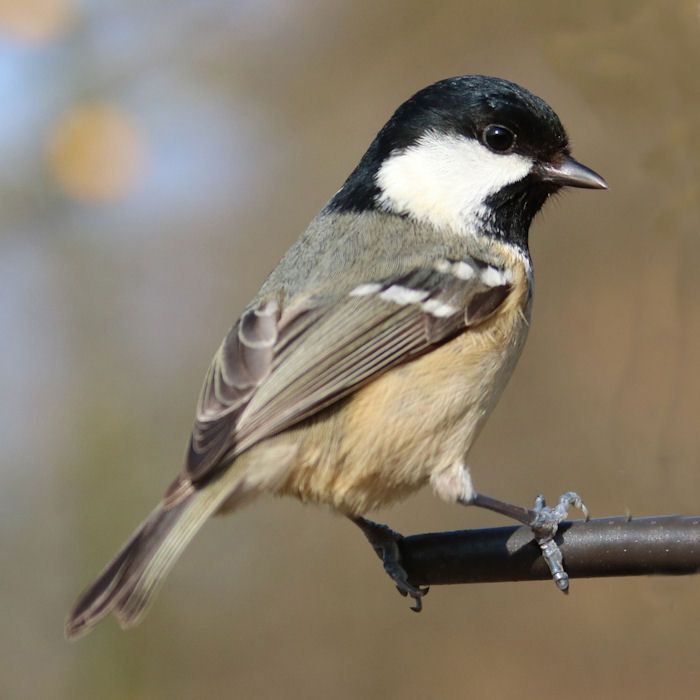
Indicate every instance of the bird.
{"type": "Point", "coordinates": [369, 360]}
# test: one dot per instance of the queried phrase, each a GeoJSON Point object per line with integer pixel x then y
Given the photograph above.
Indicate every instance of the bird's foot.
{"type": "Point", "coordinates": [545, 525]}
{"type": "Point", "coordinates": [385, 543]}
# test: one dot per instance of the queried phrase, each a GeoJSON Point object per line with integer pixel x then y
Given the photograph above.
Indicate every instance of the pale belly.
{"type": "Point", "coordinates": [388, 438]}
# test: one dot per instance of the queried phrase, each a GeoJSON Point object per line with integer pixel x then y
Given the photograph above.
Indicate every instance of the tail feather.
{"type": "Point", "coordinates": [129, 582]}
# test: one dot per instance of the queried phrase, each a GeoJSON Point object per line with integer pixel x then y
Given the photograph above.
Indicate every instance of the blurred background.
{"type": "Point", "coordinates": [158, 157]}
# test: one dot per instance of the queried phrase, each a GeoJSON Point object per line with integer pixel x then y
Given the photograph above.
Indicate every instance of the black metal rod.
{"type": "Point", "coordinates": [601, 547]}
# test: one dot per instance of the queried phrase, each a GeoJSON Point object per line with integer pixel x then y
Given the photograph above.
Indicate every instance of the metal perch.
{"type": "Point", "coordinates": [616, 546]}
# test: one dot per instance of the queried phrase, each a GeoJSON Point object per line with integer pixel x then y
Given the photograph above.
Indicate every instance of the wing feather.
{"type": "Point", "coordinates": [279, 366]}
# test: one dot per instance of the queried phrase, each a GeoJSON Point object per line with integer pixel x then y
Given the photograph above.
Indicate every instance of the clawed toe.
{"type": "Point", "coordinates": [385, 543]}
{"type": "Point", "coordinates": [405, 588]}
{"type": "Point", "coordinates": [545, 525]}
{"type": "Point", "coordinates": [547, 519]}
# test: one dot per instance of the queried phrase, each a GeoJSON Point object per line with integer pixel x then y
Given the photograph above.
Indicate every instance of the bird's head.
{"type": "Point", "coordinates": [471, 154]}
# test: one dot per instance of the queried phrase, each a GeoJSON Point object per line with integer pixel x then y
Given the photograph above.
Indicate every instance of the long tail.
{"type": "Point", "coordinates": [129, 582]}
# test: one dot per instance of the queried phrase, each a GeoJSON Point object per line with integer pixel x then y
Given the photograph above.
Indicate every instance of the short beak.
{"type": "Point", "coordinates": [570, 173]}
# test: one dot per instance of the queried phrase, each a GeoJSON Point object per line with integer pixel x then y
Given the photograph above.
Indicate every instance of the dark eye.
{"type": "Point", "coordinates": [499, 139]}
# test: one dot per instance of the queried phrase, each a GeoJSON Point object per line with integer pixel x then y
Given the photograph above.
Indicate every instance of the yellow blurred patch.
{"type": "Point", "coordinates": [96, 153]}
{"type": "Point", "coordinates": [34, 21]}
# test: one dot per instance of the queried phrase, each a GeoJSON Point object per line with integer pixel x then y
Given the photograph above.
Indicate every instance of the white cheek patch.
{"type": "Point", "coordinates": [445, 179]}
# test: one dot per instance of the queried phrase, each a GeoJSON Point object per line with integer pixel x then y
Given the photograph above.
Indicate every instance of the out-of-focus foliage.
{"type": "Point", "coordinates": [34, 21]}
{"type": "Point", "coordinates": [95, 153]}
{"type": "Point", "coordinates": [158, 157]}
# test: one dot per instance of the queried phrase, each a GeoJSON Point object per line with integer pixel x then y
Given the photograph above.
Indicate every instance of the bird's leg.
{"type": "Point", "coordinates": [544, 522]}
{"type": "Point", "coordinates": [386, 544]}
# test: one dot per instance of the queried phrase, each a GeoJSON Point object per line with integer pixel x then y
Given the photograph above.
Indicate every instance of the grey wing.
{"type": "Point", "coordinates": [279, 366]}
{"type": "Point", "coordinates": [241, 365]}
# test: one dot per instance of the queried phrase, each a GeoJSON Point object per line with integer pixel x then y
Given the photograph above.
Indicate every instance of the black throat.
{"type": "Point", "coordinates": [512, 209]}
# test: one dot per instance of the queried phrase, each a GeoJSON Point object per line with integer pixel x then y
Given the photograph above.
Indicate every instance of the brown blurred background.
{"type": "Point", "coordinates": [157, 159]}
